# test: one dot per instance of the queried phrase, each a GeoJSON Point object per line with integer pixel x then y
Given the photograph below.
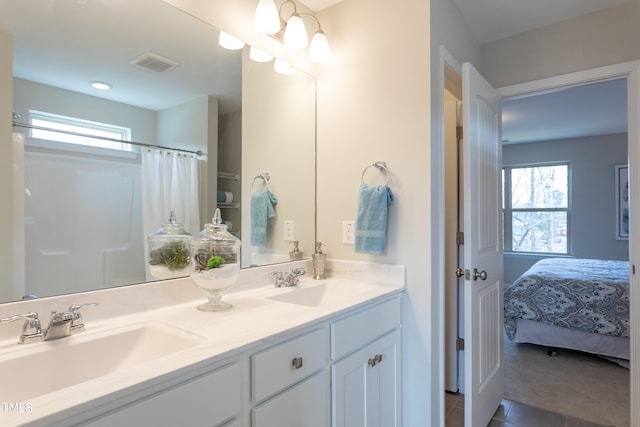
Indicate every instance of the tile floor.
{"type": "Point", "coordinates": [513, 414]}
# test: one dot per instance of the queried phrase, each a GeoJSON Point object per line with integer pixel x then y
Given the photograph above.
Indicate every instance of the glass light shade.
{"type": "Point", "coordinates": [282, 67]}
{"type": "Point", "coordinates": [319, 50]}
{"type": "Point", "coordinates": [295, 34]}
{"type": "Point", "coordinates": [266, 19]}
{"type": "Point", "coordinates": [259, 55]}
{"type": "Point", "coordinates": [227, 41]}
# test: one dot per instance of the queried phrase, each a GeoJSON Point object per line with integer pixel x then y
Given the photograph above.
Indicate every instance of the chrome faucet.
{"type": "Point", "coordinates": [61, 324]}
{"type": "Point", "coordinates": [65, 323]}
{"type": "Point", "coordinates": [292, 279]}
{"type": "Point", "coordinates": [31, 329]}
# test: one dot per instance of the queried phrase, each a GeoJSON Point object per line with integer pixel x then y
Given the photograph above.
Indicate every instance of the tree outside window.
{"type": "Point", "coordinates": [536, 208]}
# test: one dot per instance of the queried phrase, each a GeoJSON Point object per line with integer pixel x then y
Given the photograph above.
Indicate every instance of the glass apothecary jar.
{"type": "Point", "coordinates": [169, 255]}
{"type": "Point", "coordinates": [216, 259]}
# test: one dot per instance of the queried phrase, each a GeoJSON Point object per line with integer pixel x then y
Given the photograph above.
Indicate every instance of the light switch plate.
{"type": "Point", "coordinates": [288, 230]}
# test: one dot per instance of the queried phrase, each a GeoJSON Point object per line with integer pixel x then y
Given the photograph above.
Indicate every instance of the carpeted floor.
{"type": "Point", "coordinates": [571, 383]}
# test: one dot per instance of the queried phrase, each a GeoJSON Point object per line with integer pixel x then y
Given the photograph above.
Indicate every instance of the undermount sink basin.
{"type": "Point", "coordinates": [45, 367]}
{"type": "Point", "coordinates": [314, 295]}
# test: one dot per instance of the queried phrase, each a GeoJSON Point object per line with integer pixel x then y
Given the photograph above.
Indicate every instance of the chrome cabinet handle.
{"type": "Point", "coordinates": [375, 360]}
{"type": "Point", "coordinates": [297, 362]}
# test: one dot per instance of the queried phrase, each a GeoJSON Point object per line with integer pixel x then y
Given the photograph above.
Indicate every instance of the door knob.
{"type": "Point", "coordinates": [482, 274]}
{"type": "Point", "coordinates": [459, 272]}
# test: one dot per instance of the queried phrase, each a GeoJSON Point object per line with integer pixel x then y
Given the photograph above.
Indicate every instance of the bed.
{"type": "Point", "coordinates": [579, 304]}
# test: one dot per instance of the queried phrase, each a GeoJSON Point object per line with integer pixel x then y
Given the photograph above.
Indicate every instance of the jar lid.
{"type": "Point", "coordinates": [170, 228]}
{"type": "Point", "coordinates": [216, 233]}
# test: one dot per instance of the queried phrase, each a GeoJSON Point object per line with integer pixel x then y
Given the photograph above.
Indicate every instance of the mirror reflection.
{"type": "Point", "coordinates": [224, 122]}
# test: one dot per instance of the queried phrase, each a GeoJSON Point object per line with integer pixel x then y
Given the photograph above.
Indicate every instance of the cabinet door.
{"type": "Point", "coordinates": [366, 385]}
{"type": "Point", "coordinates": [385, 388]}
{"type": "Point", "coordinates": [349, 394]}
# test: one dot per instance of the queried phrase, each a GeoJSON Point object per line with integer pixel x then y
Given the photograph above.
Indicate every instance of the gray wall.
{"type": "Point", "coordinates": [592, 161]}
{"type": "Point", "coordinates": [588, 41]}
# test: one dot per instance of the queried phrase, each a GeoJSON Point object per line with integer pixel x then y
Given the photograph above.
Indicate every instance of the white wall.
{"type": "Point", "coordinates": [36, 96]}
{"type": "Point", "coordinates": [278, 137]}
{"type": "Point", "coordinates": [374, 104]}
{"type": "Point", "coordinates": [590, 41]}
{"type": "Point", "coordinates": [592, 161]}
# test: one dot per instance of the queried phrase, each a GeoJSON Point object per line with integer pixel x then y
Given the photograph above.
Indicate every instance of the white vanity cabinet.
{"type": "Point", "coordinates": [292, 382]}
{"type": "Point", "coordinates": [366, 380]}
{"type": "Point", "coordinates": [211, 399]}
{"type": "Point", "coordinates": [342, 369]}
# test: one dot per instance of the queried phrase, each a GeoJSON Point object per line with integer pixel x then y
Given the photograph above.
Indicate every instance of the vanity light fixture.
{"type": "Point", "coordinates": [259, 55]}
{"type": "Point", "coordinates": [282, 67]}
{"type": "Point", "coordinates": [100, 85]}
{"type": "Point", "coordinates": [267, 17]}
{"type": "Point", "coordinates": [291, 31]}
{"type": "Point", "coordinates": [227, 41]}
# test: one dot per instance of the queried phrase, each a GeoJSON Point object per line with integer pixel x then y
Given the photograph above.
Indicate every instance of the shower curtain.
{"type": "Point", "coordinates": [169, 183]}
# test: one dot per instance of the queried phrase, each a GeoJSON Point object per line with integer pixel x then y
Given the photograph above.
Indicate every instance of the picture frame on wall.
{"type": "Point", "coordinates": [622, 202]}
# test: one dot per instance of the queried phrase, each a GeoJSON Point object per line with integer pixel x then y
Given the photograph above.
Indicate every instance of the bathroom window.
{"type": "Point", "coordinates": [537, 208]}
{"type": "Point", "coordinates": [78, 131]}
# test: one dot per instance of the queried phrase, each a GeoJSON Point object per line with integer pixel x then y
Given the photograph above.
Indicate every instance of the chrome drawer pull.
{"type": "Point", "coordinates": [376, 359]}
{"type": "Point", "coordinates": [297, 362]}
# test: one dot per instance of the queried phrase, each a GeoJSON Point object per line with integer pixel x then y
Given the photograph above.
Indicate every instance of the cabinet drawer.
{"type": "Point", "coordinates": [306, 404]}
{"type": "Point", "coordinates": [204, 401]}
{"type": "Point", "coordinates": [355, 331]}
{"type": "Point", "coordinates": [274, 369]}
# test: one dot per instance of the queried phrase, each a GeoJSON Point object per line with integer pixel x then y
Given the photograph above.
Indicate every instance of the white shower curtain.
{"type": "Point", "coordinates": [169, 183]}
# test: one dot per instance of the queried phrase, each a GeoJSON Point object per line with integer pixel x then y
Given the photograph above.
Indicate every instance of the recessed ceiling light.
{"type": "Point", "coordinates": [100, 85]}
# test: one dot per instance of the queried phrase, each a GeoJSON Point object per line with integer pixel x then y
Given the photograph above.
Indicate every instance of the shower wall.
{"type": "Point", "coordinates": [83, 218]}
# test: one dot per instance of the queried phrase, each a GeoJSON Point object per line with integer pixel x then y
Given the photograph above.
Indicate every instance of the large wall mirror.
{"type": "Point", "coordinates": [86, 206]}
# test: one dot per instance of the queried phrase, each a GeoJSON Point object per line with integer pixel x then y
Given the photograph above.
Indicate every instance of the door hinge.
{"type": "Point", "coordinates": [459, 344]}
{"type": "Point", "coordinates": [633, 269]}
{"type": "Point", "coordinates": [459, 132]}
{"type": "Point", "coordinates": [459, 238]}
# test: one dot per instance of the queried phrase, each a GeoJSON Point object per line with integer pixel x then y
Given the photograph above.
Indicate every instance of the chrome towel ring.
{"type": "Point", "coordinates": [264, 177]}
{"type": "Point", "coordinates": [381, 166]}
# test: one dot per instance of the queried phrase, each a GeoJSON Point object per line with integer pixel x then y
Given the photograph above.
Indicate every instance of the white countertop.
{"type": "Point", "coordinates": [254, 319]}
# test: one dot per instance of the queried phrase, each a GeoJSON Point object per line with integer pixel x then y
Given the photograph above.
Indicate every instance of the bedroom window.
{"type": "Point", "coordinates": [536, 208]}
{"type": "Point", "coordinates": [74, 131]}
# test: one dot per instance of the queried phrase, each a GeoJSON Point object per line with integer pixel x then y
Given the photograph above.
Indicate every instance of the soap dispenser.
{"type": "Point", "coordinates": [295, 254]}
{"type": "Point", "coordinates": [319, 260]}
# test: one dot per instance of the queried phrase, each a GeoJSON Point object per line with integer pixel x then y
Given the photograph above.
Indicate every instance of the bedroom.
{"type": "Point", "coordinates": [587, 140]}
{"type": "Point", "coordinates": [588, 229]}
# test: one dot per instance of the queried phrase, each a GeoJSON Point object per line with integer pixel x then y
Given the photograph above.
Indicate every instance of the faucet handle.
{"type": "Point", "coordinates": [31, 329]}
{"type": "Point", "coordinates": [75, 307]}
{"type": "Point", "coordinates": [77, 325]}
{"type": "Point", "coordinates": [298, 271]}
{"type": "Point", "coordinates": [278, 276]}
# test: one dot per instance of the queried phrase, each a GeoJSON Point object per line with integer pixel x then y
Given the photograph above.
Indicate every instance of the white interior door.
{"type": "Point", "coordinates": [483, 287]}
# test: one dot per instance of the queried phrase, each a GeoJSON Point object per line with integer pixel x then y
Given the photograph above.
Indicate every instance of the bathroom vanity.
{"type": "Point", "coordinates": [323, 353]}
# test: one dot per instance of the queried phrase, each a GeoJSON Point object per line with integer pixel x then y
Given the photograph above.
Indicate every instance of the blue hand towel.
{"type": "Point", "coordinates": [261, 210]}
{"type": "Point", "coordinates": [371, 221]}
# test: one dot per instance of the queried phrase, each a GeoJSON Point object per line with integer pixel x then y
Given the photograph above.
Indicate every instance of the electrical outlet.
{"type": "Point", "coordinates": [348, 232]}
{"type": "Point", "coordinates": [288, 230]}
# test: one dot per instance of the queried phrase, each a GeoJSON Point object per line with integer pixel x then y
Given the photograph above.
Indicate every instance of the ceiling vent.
{"type": "Point", "coordinates": [153, 62]}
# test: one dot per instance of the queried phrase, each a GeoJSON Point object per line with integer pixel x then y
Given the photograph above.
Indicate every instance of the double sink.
{"type": "Point", "coordinates": [34, 370]}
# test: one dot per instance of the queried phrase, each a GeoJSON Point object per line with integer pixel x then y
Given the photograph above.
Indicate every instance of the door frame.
{"type": "Point", "coordinates": [629, 70]}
